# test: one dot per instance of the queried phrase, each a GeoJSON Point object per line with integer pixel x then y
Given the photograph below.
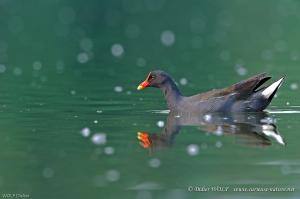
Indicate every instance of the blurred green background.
{"type": "Point", "coordinates": [68, 65]}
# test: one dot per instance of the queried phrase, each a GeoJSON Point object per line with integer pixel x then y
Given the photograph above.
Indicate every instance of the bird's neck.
{"type": "Point", "coordinates": [171, 93]}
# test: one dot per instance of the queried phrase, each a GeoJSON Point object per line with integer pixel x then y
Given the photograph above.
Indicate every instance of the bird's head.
{"type": "Point", "coordinates": [155, 78]}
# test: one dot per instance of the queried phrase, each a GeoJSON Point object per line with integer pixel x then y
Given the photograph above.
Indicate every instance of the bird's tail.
{"type": "Point", "coordinates": [269, 92]}
{"type": "Point", "coordinates": [262, 98]}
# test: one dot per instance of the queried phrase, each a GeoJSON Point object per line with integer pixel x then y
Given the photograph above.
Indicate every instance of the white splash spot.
{"type": "Point", "coordinates": [2, 68]}
{"type": "Point", "coordinates": [73, 92]}
{"type": "Point", "coordinates": [240, 70]}
{"type": "Point", "coordinates": [99, 111]}
{"type": "Point", "coordinates": [95, 121]}
{"type": "Point", "coordinates": [294, 86]}
{"type": "Point", "coordinates": [183, 81]}
{"type": "Point", "coordinates": [117, 50]}
{"type": "Point", "coordinates": [85, 132]}
{"type": "Point", "coordinates": [48, 172]}
{"type": "Point", "coordinates": [154, 162]}
{"type": "Point", "coordinates": [17, 71]}
{"type": "Point", "coordinates": [219, 144]}
{"type": "Point", "coordinates": [118, 89]}
{"type": "Point", "coordinates": [167, 38]}
{"type": "Point", "coordinates": [207, 118]}
{"type": "Point", "coordinates": [112, 175]}
{"type": "Point", "coordinates": [192, 149]}
{"type": "Point", "coordinates": [287, 103]}
{"type": "Point", "coordinates": [267, 120]}
{"type": "Point", "coordinates": [160, 124]}
{"type": "Point", "coordinates": [99, 138]}
{"type": "Point", "coordinates": [83, 57]}
{"type": "Point", "coordinates": [37, 65]}
{"type": "Point", "coordinates": [109, 150]}
{"type": "Point", "coordinates": [219, 131]}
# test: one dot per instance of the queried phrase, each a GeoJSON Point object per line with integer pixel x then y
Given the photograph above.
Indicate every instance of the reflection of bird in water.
{"type": "Point", "coordinates": [254, 129]}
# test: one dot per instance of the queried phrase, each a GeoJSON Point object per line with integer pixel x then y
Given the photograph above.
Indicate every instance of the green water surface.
{"type": "Point", "coordinates": [70, 112]}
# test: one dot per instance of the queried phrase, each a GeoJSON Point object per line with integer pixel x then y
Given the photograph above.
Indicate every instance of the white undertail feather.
{"type": "Point", "coordinates": [269, 131]}
{"type": "Point", "coordinates": [271, 89]}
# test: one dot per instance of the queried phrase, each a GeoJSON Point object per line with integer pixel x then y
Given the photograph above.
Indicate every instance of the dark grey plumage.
{"type": "Point", "coordinates": [246, 96]}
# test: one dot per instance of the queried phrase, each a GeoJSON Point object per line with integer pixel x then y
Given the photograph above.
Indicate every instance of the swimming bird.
{"type": "Point", "coordinates": [249, 95]}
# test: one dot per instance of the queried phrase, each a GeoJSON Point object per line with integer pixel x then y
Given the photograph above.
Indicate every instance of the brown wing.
{"type": "Point", "coordinates": [243, 88]}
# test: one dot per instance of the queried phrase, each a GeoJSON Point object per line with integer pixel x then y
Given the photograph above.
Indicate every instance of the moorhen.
{"type": "Point", "coordinates": [245, 96]}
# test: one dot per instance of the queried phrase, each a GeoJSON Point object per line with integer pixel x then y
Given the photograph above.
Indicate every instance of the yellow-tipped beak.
{"type": "Point", "coordinates": [143, 85]}
{"type": "Point", "coordinates": [140, 87]}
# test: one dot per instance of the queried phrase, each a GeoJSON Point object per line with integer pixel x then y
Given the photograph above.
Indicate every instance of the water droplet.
{"type": "Point", "coordinates": [2, 68]}
{"type": "Point", "coordinates": [117, 50]}
{"type": "Point", "coordinates": [37, 65]}
{"type": "Point", "coordinates": [294, 86]}
{"type": "Point", "coordinates": [219, 131]}
{"type": "Point", "coordinates": [99, 111]}
{"type": "Point", "coordinates": [73, 92]}
{"type": "Point", "coordinates": [167, 38]}
{"type": "Point", "coordinates": [267, 120]}
{"type": "Point", "coordinates": [154, 162]}
{"type": "Point", "coordinates": [85, 132]}
{"type": "Point", "coordinates": [83, 57]}
{"type": "Point", "coordinates": [183, 81]}
{"type": "Point", "coordinates": [17, 71]}
{"type": "Point", "coordinates": [193, 149]}
{"type": "Point", "coordinates": [219, 144]}
{"type": "Point", "coordinates": [99, 138]}
{"type": "Point", "coordinates": [287, 103]}
{"type": "Point", "coordinates": [48, 172]}
{"type": "Point", "coordinates": [112, 175]}
{"type": "Point", "coordinates": [240, 70]}
{"type": "Point", "coordinates": [96, 121]}
{"type": "Point", "coordinates": [118, 89]}
{"type": "Point", "coordinates": [109, 150]}
{"type": "Point", "coordinates": [160, 124]}
{"type": "Point", "coordinates": [207, 117]}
